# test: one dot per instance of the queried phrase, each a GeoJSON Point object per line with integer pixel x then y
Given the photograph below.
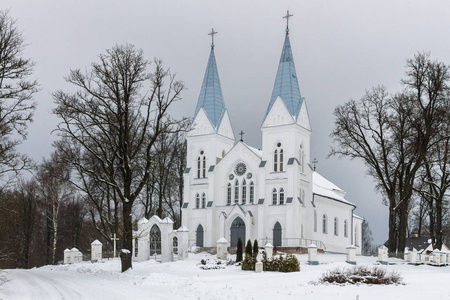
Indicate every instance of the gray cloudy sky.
{"type": "Point", "coordinates": [341, 48]}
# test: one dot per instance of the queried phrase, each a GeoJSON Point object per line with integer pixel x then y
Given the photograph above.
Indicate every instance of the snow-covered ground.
{"type": "Point", "coordinates": [185, 280]}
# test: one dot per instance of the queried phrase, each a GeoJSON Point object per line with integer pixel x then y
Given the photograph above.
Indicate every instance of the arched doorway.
{"type": "Point", "coordinates": [277, 234]}
{"type": "Point", "coordinates": [199, 236]}
{"type": "Point", "coordinates": [155, 240]}
{"type": "Point", "coordinates": [175, 245]}
{"type": "Point", "coordinates": [237, 231]}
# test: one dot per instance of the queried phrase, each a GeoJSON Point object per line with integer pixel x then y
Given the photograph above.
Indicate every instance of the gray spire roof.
{"type": "Point", "coordinates": [286, 83]}
{"type": "Point", "coordinates": [211, 98]}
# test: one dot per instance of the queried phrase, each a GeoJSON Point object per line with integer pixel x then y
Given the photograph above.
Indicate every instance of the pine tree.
{"type": "Point", "coordinates": [248, 249]}
{"type": "Point", "coordinates": [255, 248]}
{"type": "Point", "coordinates": [239, 250]}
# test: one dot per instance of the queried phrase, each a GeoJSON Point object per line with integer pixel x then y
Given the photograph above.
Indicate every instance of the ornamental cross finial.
{"type": "Point", "coordinates": [212, 33]}
{"type": "Point", "coordinates": [287, 16]}
{"type": "Point", "coordinates": [315, 162]}
{"type": "Point", "coordinates": [242, 134]}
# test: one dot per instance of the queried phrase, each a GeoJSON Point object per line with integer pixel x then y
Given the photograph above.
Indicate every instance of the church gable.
{"type": "Point", "coordinates": [201, 125]}
{"type": "Point", "coordinates": [239, 151]}
{"type": "Point", "coordinates": [303, 117]}
{"type": "Point", "coordinates": [225, 128]}
{"type": "Point", "coordinates": [278, 115]}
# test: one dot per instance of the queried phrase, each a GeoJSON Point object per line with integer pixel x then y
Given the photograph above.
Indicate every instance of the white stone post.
{"type": "Point", "coordinates": [413, 257]}
{"type": "Point", "coordinates": [269, 250]}
{"type": "Point", "coordinates": [96, 250]}
{"type": "Point", "coordinates": [383, 255]}
{"type": "Point", "coordinates": [259, 265]}
{"type": "Point", "coordinates": [75, 255]}
{"type": "Point", "coordinates": [222, 245]}
{"type": "Point", "coordinates": [351, 255]}
{"type": "Point", "coordinates": [67, 256]}
{"type": "Point", "coordinates": [448, 258]}
{"type": "Point", "coordinates": [443, 258]}
{"type": "Point", "coordinates": [312, 254]}
{"type": "Point", "coordinates": [166, 226]}
{"type": "Point", "coordinates": [183, 243]}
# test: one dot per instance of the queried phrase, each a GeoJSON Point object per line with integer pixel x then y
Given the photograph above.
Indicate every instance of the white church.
{"type": "Point", "coordinates": [273, 195]}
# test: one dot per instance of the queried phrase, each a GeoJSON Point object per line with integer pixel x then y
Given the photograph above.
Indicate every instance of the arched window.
{"type": "Point", "coordinates": [229, 194]}
{"type": "Point", "coordinates": [315, 221]}
{"type": "Point", "coordinates": [236, 191]}
{"type": "Point", "coordinates": [275, 161]}
{"type": "Point", "coordinates": [155, 240]}
{"type": "Point", "coordinates": [198, 167]}
{"type": "Point", "coordinates": [204, 167]}
{"type": "Point", "coordinates": [281, 196]}
{"type": "Point", "coordinates": [301, 158]}
{"type": "Point", "coordinates": [345, 228]}
{"type": "Point", "coordinates": [197, 201]}
{"type": "Point", "coordinates": [281, 160]}
{"type": "Point", "coordinates": [201, 165]}
{"type": "Point", "coordinates": [336, 226]}
{"type": "Point", "coordinates": [244, 191]}
{"type": "Point", "coordinates": [274, 196]}
{"type": "Point", "coordinates": [324, 224]}
{"type": "Point", "coordinates": [252, 192]}
{"type": "Point", "coordinates": [203, 200]}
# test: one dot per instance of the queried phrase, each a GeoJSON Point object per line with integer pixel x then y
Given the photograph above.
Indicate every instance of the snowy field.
{"type": "Point", "coordinates": [185, 280]}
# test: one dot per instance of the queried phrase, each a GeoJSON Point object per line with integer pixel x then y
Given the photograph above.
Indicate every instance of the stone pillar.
{"type": "Point", "coordinates": [269, 250]}
{"type": "Point", "coordinates": [222, 245]}
{"type": "Point", "coordinates": [183, 242]}
{"type": "Point", "coordinates": [259, 265]}
{"type": "Point", "coordinates": [448, 258]}
{"type": "Point", "coordinates": [166, 226]}
{"type": "Point", "coordinates": [67, 256]}
{"type": "Point", "coordinates": [96, 250]}
{"type": "Point", "coordinates": [75, 255]}
{"type": "Point", "coordinates": [443, 258]}
{"type": "Point", "coordinates": [383, 255]}
{"type": "Point", "coordinates": [351, 255]}
{"type": "Point", "coordinates": [413, 257]}
{"type": "Point", "coordinates": [312, 254]}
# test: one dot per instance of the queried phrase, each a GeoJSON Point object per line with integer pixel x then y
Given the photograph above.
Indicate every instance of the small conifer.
{"type": "Point", "coordinates": [248, 249]}
{"type": "Point", "coordinates": [239, 250]}
{"type": "Point", "coordinates": [255, 248]}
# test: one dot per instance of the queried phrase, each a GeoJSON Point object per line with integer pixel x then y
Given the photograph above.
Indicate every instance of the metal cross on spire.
{"type": "Point", "coordinates": [242, 134]}
{"type": "Point", "coordinates": [212, 33]}
{"type": "Point", "coordinates": [287, 16]}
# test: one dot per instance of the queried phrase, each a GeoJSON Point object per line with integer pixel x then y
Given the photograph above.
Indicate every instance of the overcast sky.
{"type": "Point", "coordinates": [341, 48]}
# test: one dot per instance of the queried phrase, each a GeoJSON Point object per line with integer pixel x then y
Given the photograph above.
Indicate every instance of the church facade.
{"type": "Point", "coordinates": [233, 190]}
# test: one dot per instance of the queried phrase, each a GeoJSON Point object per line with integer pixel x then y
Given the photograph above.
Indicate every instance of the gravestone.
{"type": "Point", "coordinates": [351, 255]}
{"type": "Point", "coordinates": [222, 246]}
{"type": "Point", "coordinates": [383, 255]}
{"type": "Point", "coordinates": [75, 255]}
{"type": "Point", "coordinates": [67, 256]}
{"type": "Point", "coordinates": [96, 250]}
{"type": "Point", "coordinates": [269, 250]}
{"type": "Point", "coordinates": [312, 254]}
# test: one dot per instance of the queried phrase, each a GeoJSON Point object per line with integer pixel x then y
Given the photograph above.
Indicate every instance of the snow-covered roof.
{"type": "Point", "coordinates": [254, 150]}
{"type": "Point", "coordinates": [324, 187]}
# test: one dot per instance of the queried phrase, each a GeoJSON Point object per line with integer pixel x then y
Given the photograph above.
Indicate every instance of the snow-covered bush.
{"type": "Point", "coordinates": [361, 274]}
{"type": "Point", "coordinates": [288, 263]}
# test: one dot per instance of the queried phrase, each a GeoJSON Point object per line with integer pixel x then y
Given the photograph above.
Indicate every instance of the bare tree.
{"type": "Point", "coordinates": [392, 134]}
{"type": "Point", "coordinates": [367, 247]}
{"type": "Point", "coordinates": [118, 126]}
{"type": "Point", "coordinates": [54, 179]}
{"type": "Point", "coordinates": [16, 109]}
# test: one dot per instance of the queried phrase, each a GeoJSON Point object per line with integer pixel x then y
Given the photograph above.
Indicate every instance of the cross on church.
{"type": "Point", "coordinates": [315, 162]}
{"type": "Point", "coordinates": [287, 16]}
{"type": "Point", "coordinates": [242, 134]}
{"type": "Point", "coordinates": [212, 33]}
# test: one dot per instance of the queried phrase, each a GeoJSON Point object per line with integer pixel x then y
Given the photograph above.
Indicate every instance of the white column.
{"type": "Point", "coordinates": [312, 254]}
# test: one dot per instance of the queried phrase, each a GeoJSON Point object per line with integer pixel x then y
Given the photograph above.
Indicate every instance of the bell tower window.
{"type": "Point", "coordinates": [278, 159]}
{"type": "Point", "coordinates": [201, 165]}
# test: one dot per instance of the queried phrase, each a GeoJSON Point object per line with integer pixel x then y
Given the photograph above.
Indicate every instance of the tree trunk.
{"type": "Point", "coordinates": [438, 243]}
{"type": "Point", "coordinates": [392, 242]}
{"type": "Point", "coordinates": [125, 257]}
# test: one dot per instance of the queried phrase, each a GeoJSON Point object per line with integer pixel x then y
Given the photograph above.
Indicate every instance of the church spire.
{"type": "Point", "coordinates": [211, 98]}
{"type": "Point", "coordinates": [286, 83]}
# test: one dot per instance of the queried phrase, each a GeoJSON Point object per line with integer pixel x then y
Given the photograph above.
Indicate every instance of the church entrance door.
{"type": "Point", "coordinates": [237, 231]}
{"type": "Point", "coordinates": [199, 236]}
{"type": "Point", "coordinates": [277, 234]}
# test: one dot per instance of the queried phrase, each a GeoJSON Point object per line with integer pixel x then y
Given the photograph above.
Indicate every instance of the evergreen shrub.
{"type": "Point", "coordinates": [239, 250]}
{"type": "Point", "coordinates": [289, 263]}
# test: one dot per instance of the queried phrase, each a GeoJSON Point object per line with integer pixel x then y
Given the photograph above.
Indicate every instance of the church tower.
{"type": "Point", "coordinates": [286, 134]}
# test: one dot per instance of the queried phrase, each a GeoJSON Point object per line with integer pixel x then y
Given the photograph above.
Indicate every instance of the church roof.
{"type": "Point", "coordinates": [324, 187]}
{"type": "Point", "coordinates": [211, 98]}
{"type": "Point", "coordinates": [286, 83]}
